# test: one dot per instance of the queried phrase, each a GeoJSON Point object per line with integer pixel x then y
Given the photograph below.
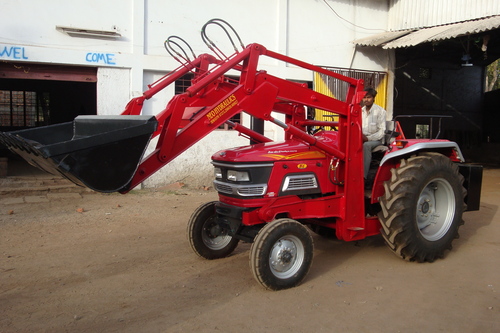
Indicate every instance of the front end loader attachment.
{"type": "Point", "coordinates": [99, 152]}
{"type": "Point", "coordinates": [105, 153]}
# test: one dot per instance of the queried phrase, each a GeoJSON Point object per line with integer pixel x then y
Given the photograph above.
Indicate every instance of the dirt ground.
{"type": "Point", "coordinates": [122, 263]}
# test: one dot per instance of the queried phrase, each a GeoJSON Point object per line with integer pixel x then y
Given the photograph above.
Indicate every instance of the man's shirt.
{"type": "Point", "coordinates": [374, 122]}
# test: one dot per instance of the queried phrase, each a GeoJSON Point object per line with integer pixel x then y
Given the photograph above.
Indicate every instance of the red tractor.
{"type": "Point", "coordinates": [271, 194]}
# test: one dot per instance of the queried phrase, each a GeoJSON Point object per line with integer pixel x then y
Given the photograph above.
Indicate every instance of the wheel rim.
{"type": "Point", "coordinates": [286, 257]}
{"type": "Point", "coordinates": [213, 237]}
{"type": "Point", "coordinates": [435, 209]}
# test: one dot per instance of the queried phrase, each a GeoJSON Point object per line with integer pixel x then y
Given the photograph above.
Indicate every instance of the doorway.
{"type": "Point", "coordinates": [33, 95]}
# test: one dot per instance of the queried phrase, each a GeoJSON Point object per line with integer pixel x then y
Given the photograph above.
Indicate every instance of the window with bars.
{"type": "Point", "coordinates": [23, 108]}
{"type": "Point", "coordinates": [185, 82]}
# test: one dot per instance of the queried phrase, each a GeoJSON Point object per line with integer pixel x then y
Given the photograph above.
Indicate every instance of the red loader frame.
{"type": "Point", "coordinates": [213, 99]}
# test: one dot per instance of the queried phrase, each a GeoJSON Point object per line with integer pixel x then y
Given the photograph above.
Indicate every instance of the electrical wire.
{"type": "Point", "coordinates": [343, 19]}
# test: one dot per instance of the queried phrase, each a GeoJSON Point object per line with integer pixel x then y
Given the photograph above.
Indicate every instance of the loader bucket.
{"type": "Point", "coordinates": [99, 152]}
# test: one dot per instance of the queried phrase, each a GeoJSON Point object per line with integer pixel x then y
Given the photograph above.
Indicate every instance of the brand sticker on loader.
{"type": "Point", "coordinates": [222, 108]}
{"type": "Point", "coordinates": [302, 166]}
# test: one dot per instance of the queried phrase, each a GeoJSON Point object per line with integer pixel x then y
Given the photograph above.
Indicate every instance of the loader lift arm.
{"type": "Point", "coordinates": [215, 99]}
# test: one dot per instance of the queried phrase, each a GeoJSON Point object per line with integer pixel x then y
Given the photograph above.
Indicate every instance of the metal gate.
{"type": "Point", "coordinates": [338, 89]}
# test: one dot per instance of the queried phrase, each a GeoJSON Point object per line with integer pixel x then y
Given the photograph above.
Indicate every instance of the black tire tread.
{"type": "Point", "coordinates": [395, 207]}
{"type": "Point", "coordinates": [257, 253]}
{"type": "Point", "coordinates": [191, 234]}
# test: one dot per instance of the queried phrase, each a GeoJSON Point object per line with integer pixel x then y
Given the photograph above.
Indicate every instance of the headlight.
{"type": "Point", "coordinates": [217, 173]}
{"type": "Point", "coordinates": [238, 176]}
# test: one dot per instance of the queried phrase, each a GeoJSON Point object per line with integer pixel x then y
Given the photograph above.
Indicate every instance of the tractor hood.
{"type": "Point", "coordinates": [292, 149]}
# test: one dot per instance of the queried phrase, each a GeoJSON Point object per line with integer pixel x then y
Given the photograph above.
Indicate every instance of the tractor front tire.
{"type": "Point", "coordinates": [206, 237]}
{"type": "Point", "coordinates": [422, 207]}
{"type": "Point", "coordinates": [281, 254]}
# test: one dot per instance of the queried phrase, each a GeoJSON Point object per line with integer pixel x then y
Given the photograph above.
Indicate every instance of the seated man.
{"type": "Point", "coordinates": [373, 127]}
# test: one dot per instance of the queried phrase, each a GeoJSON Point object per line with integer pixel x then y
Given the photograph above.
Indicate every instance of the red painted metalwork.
{"type": "Point", "coordinates": [215, 100]}
{"type": "Point", "coordinates": [19, 70]}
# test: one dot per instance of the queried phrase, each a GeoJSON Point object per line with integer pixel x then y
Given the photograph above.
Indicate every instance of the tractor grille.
{"type": "Point", "coordinates": [251, 190]}
{"type": "Point", "coordinates": [300, 182]}
{"type": "Point", "coordinates": [223, 188]}
{"type": "Point", "coordinates": [241, 190]}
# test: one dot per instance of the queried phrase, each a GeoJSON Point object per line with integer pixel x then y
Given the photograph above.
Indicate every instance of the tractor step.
{"type": "Point", "coordinates": [99, 152]}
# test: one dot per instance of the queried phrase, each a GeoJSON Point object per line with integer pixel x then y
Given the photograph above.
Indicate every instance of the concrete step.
{"type": "Point", "coordinates": [21, 186]}
{"type": "Point", "coordinates": [23, 179]}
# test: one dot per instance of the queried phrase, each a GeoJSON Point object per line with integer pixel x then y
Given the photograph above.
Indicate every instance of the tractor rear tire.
{"type": "Point", "coordinates": [206, 237]}
{"type": "Point", "coordinates": [422, 207]}
{"type": "Point", "coordinates": [281, 254]}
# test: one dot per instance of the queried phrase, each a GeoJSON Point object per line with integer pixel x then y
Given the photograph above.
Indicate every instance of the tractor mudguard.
{"type": "Point", "coordinates": [99, 152]}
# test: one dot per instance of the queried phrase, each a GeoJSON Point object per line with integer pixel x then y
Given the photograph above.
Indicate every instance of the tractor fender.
{"type": "Point", "coordinates": [428, 146]}
{"type": "Point", "coordinates": [392, 159]}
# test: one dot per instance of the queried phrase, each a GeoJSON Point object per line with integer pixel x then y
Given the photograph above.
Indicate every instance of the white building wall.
{"type": "Point", "coordinates": [316, 31]}
{"type": "Point", "coordinates": [113, 87]}
{"type": "Point", "coordinates": [321, 32]}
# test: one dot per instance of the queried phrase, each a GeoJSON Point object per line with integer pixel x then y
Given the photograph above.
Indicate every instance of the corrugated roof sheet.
{"type": "Point", "coordinates": [382, 38]}
{"type": "Point", "coordinates": [407, 38]}
{"type": "Point", "coordinates": [418, 14]}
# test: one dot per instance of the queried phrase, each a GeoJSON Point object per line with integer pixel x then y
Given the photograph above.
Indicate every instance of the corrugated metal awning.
{"type": "Point", "coordinates": [406, 38]}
